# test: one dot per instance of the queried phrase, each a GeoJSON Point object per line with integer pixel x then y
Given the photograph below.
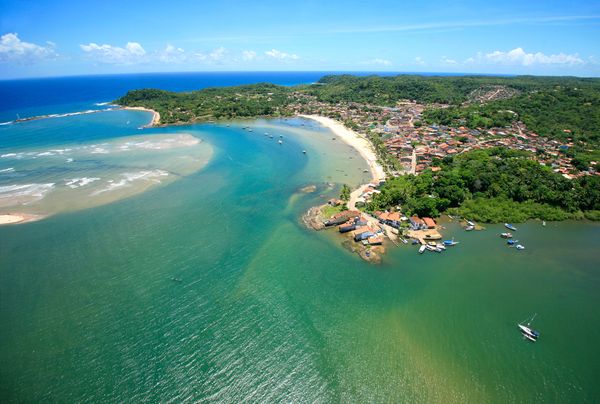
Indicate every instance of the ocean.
{"type": "Point", "coordinates": [172, 265]}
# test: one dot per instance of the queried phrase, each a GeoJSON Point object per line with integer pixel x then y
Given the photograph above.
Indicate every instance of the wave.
{"type": "Point", "coordinates": [80, 182]}
{"type": "Point", "coordinates": [128, 178]}
{"type": "Point", "coordinates": [23, 193]}
{"type": "Point", "coordinates": [7, 170]}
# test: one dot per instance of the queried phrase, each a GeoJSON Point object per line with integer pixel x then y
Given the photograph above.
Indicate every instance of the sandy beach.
{"type": "Point", "coordinates": [155, 115]}
{"type": "Point", "coordinates": [17, 218]}
{"type": "Point", "coordinates": [360, 143]}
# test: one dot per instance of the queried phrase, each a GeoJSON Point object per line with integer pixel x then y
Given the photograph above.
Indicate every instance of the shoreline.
{"type": "Point", "coordinates": [18, 218]}
{"type": "Point", "coordinates": [155, 115]}
{"type": "Point", "coordinates": [350, 137]}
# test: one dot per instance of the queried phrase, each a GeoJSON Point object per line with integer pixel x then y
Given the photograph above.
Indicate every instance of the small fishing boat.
{"type": "Point", "coordinates": [450, 242]}
{"type": "Point", "coordinates": [414, 241]}
{"type": "Point", "coordinates": [280, 142]}
{"type": "Point", "coordinates": [520, 247]}
{"type": "Point", "coordinates": [470, 223]}
{"type": "Point", "coordinates": [543, 223]}
{"type": "Point", "coordinates": [506, 235]}
{"type": "Point", "coordinates": [404, 241]}
{"type": "Point", "coordinates": [528, 332]}
{"type": "Point", "coordinates": [430, 248]}
{"type": "Point", "coordinates": [440, 246]}
{"type": "Point", "coordinates": [510, 226]}
{"type": "Point", "coordinates": [511, 241]}
{"type": "Point", "coordinates": [469, 228]}
{"type": "Point", "coordinates": [422, 249]}
{"type": "Point", "coordinates": [303, 151]}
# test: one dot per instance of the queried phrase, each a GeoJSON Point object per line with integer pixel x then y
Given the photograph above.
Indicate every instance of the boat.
{"type": "Point", "coordinates": [303, 151]}
{"type": "Point", "coordinates": [422, 249]}
{"type": "Point", "coordinates": [280, 142]}
{"type": "Point", "coordinates": [430, 248]}
{"type": "Point", "coordinates": [470, 223]}
{"type": "Point", "coordinates": [469, 228]}
{"type": "Point", "coordinates": [450, 242]}
{"type": "Point", "coordinates": [414, 241]}
{"type": "Point", "coordinates": [404, 241]}
{"type": "Point", "coordinates": [511, 241]}
{"type": "Point", "coordinates": [520, 247]}
{"type": "Point", "coordinates": [510, 226]}
{"type": "Point", "coordinates": [506, 235]}
{"type": "Point", "coordinates": [543, 222]}
{"type": "Point", "coordinates": [440, 246]}
{"type": "Point", "coordinates": [527, 331]}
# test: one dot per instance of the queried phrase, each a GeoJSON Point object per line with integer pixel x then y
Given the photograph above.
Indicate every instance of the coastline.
{"type": "Point", "coordinates": [155, 115]}
{"type": "Point", "coordinates": [18, 218]}
{"type": "Point", "coordinates": [350, 137]}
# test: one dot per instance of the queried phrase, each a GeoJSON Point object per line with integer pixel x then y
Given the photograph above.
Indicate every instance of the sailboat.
{"type": "Point", "coordinates": [528, 332]}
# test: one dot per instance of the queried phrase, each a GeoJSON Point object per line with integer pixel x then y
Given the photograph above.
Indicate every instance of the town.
{"type": "Point", "coordinates": [417, 146]}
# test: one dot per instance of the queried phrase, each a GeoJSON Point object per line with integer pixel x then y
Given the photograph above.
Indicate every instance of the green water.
{"type": "Point", "coordinates": [269, 311]}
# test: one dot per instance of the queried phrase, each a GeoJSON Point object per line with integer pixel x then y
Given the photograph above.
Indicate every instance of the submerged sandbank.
{"type": "Point", "coordinates": [72, 177]}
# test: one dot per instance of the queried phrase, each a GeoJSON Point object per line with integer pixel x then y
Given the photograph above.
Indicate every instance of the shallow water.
{"type": "Point", "coordinates": [266, 310]}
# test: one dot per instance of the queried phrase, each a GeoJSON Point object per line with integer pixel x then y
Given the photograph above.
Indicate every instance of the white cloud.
{"type": "Point", "coordinates": [132, 53]}
{"type": "Point", "coordinates": [276, 54]}
{"type": "Point", "coordinates": [419, 61]}
{"type": "Point", "coordinates": [13, 49]}
{"type": "Point", "coordinates": [448, 61]}
{"type": "Point", "coordinates": [248, 55]}
{"type": "Point", "coordinates": [518, 57]}
{"type": "Point", "coordinates": [216, 55]}
{"type": "Point", "coordinates": [379, 61]}
{"type": "Point", "coordinates": [171, 54]}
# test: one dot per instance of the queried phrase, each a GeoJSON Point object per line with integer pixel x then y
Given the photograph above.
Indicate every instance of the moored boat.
{"type": "Point", "coordinates": [422, 249]}
{"type": "Point", "coordinates": [527, 331]}
{"type": "Point", "coordinates": [506, 235]}
{"type": "Point", "coordinates": [510, 226]}
{"type": "Point", "coordinates": [450, 242]}
{"type": "Point", "coordinates": [469, 228]}
{"type": "Point", "coordinates": [511, 241]}
{"type": "Point", "coordinates": [520, 247]}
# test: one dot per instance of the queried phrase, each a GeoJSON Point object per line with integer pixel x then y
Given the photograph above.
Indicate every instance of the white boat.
{"type": "Point", "coordinates": [506, 235]}
{"type": "Point", "coordinates": [543, 222]}
{"type": "Point", "coordinates": [280, 142]}
{"type": "Point", "coordinates": [422, 249]}
{"type": "Point", "coordinates": [527, 331]}
{"type": "Point", "coordinates": [520, 247]}
{"type": "Point", "coordinates": [430, 248]}
{"type": "Point", "coordinates": [510, 226]}
{"type": "Point", "coordinates": [470, 223]}
{"type": "Point", "coordinates": [469, 228]}
{"type": "Point", "coordinates": [440, 246]}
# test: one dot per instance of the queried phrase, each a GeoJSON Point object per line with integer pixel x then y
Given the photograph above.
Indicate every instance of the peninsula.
{"type": "Point", "coordinates": [492, 149]}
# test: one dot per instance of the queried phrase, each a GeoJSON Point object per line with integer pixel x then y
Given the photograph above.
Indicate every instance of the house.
{"type": "Point", "coordinates": [335, 202]}
{"type": "Point", "coordinates": [429, 222]}
{"type": "Point", "coordinates": [363, 233]}
{"type": "Point", "coordinates": [416, 223]}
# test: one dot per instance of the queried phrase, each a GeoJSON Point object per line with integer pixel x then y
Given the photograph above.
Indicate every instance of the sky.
{"type": "Point", "coordinates": [61, 38]}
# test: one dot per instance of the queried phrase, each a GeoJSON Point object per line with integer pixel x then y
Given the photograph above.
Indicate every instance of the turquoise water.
{"type": "Point", "coordinates": [267, 310]}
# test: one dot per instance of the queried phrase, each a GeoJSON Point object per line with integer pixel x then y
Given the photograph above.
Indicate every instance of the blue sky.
{"type": "Point", "coordinates": [55, 38]}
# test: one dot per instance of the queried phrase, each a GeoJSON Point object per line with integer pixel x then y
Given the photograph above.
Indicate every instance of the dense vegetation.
{"type": "Point", "coordinates": [492, 185]}
{"type": "Point", "coordinates": [211, 103]}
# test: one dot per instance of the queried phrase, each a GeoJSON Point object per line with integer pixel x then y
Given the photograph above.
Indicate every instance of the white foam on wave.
{"type": "Point", "coordinates": [7, 170]}
{"type": "Point", "coordinates": [80, 182]}
{"type": "Point", "coordinates": [128, 178]}
{"type": "Point", "coordinates": [8, 155]}
{"type": "Point", "coordinates": [23, 193]}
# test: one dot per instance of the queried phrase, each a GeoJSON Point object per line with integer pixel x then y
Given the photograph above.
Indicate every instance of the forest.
{"type": "Point", "coordinates": [492, 185]}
